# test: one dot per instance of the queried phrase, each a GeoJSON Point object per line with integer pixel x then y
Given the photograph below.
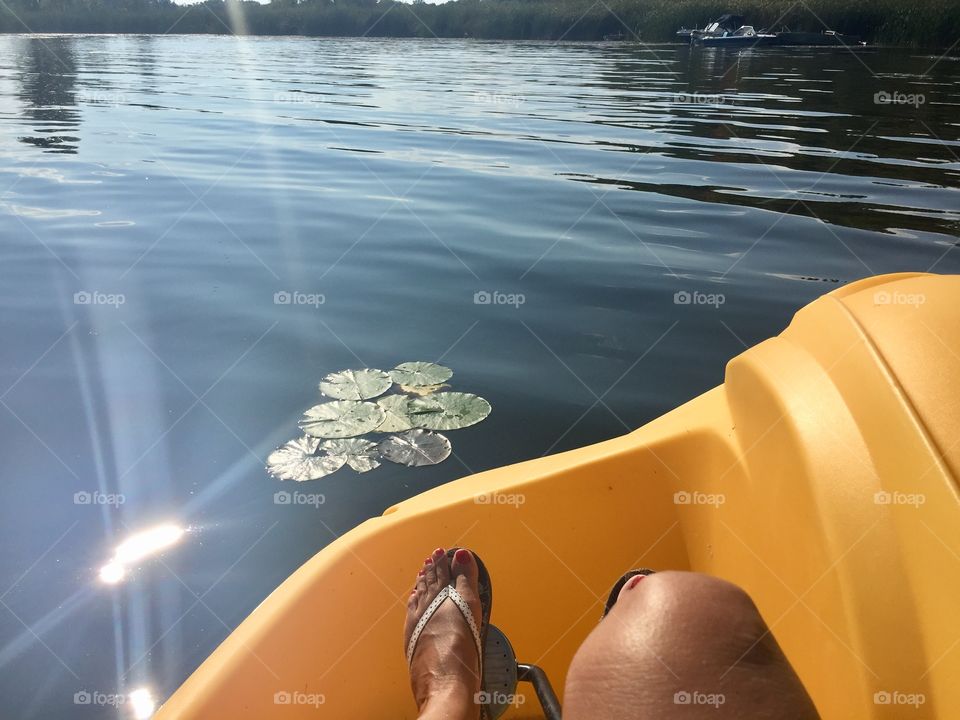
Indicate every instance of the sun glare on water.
{"type": "Point", "coordinates": [137, 547]}
{"type": "Point", "coordinates": [142, 703]}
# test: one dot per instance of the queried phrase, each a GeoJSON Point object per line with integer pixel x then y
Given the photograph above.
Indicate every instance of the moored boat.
{"type": "Point", "coordinates": [723, 25]}
{"type": "Point", "coordinates": [743, 37]}
{"type": "Point", "coordinates": [729, 30]}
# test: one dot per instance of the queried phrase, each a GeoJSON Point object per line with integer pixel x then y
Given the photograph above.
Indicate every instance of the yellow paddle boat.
{"type": "Point", "coordinates": [821, 477]}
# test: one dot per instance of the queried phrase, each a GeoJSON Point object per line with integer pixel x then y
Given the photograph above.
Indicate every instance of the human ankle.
{"type": "Point", "coordinates": [450, 698]}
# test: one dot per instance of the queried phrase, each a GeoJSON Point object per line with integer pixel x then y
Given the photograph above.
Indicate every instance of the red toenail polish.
{"type": "Point", "coordinates": [632, 582]}
{"type": "Point", "coordinates": [420, 574]}
{"type": "Point", "coordinates": [428, 561]}
{"type": "Point", "coordinates": [462, 556]}
{"type": "Point", "coordinates": [438, 552]}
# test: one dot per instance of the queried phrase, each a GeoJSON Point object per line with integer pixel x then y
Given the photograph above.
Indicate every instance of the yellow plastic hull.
{"type": "Point", "coordinates": [821, 477]}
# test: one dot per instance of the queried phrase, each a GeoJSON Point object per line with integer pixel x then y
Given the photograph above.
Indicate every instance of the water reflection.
{"type": "Point", "coordinates": [48, 77]}
{"type": "Point", "coordinates": [259, 165]}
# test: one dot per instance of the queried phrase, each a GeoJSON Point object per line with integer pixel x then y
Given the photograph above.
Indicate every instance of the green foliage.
{"type": "Point", "coordinates": [929, 23]}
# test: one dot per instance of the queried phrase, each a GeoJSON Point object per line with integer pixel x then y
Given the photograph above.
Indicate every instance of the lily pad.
{"type": "Point", "coordinates": [415, 448]}
{"type": "Point", "coordinates": [448, 410]}
{"type": "Point", "coordinates": [355, 384]}
{"type": "Point", "coordinates": [341, 419]}
{"type": "Point", "coordinates": [361, 455]}
{"type": "Point", "coordinates": [417, 374]}
{"type": "Point", "coordinates": [396, 409]}
{"type": "Point", "coordinates": [423, 389]}
{"type": "Point", "coordinates": [297, 460]}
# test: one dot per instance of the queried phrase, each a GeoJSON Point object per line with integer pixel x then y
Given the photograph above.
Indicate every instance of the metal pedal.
{"type": "Point", "coordinates": [501, 674]}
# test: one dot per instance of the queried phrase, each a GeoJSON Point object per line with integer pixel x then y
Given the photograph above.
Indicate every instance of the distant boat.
{"type": "Point", "coordinates": [744, 36]}
{"type": "Point", "coordinates": [730, 31]}
{"type": "Point", "coordinates": [723, 25]}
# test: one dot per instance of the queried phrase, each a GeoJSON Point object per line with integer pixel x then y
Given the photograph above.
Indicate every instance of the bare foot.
{"type": "Point", "coordinates": [445, 672]}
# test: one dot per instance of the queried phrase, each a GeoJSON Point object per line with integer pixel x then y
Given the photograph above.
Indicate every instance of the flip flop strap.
{"type": "Point", "coordinates": [449, 592]}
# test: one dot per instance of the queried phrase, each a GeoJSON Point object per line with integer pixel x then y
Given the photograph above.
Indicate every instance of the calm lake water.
{"type": "Point", "coordinates": [156, 193]}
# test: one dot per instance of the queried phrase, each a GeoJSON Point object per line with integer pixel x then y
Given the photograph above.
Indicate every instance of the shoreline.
{"type": "Point", "coordinates": [933, 24]}
{"type": "Point", "coordinates": [625, 43]}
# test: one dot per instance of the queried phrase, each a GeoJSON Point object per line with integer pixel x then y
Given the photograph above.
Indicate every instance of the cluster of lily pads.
{"type": "Point", "coordinates": [408, 418]}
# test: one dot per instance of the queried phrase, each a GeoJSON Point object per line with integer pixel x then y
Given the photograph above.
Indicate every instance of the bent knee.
{"type": "Point", "coordinates": [675, 633]}
{"type": "Point", "coordinates": [681, 630]}
{"type": "Point", "coordinates": [676, 610]}
{"type": "Point", "coordinates": [685, 615]}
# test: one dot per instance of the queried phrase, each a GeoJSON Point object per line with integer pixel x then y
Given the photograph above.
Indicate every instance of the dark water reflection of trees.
{"type": "Point", "coordinates": [47, 77]}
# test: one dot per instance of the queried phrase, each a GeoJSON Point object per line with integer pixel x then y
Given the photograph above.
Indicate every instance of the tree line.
{"type": "Point", "coordinates": [920, 23]}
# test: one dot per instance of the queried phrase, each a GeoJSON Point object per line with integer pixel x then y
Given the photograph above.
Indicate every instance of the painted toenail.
{"type": "Point", "coordinates": [632, 583]}
{"type": "Point", "coordinates": [438, 553]}
{"type": "Point", "coordinates": [420, 574]}
{"type": "Point", "coordinates": [462, 556]}
{"type": "Point", "coordinates": [428, 561]}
